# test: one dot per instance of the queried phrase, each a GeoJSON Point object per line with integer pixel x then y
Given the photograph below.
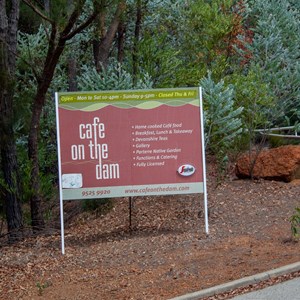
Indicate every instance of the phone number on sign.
{"type": "Point", "coordinates": [94, 193]}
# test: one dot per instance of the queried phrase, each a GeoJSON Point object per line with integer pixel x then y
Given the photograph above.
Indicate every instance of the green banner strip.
{"type": "Point", "coordinates": [137, 95]}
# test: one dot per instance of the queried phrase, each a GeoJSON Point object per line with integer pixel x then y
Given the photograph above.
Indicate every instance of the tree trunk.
{"type": "Point", "coordinates": [10, 188]}
{"type": "Point", "coordinates": [47, 6]}
{"type": "Point", "coordinates": [99, 34]}
{"type": "Point", "coordinates": [9, 166]}
{"type": "Point", "coordinates": [103, 45]}
{"type": "Point", "coordinates": [72, 74]}
{"type": "Point", "coordinates": [137, 30]}
{"type": "Point", "coordinates": [72, 66]}
{"type": "Point", "coordinates": [121, 41]}
{"type": "Point", "coordinates": [57, 42]}
{"type": "Point", "coordinates": [37, 219]}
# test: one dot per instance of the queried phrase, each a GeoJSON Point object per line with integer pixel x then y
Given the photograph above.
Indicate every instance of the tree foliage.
{"type": "Point", "coordinates": [248, 48]}
{"type": "Point", "coordinates": [275, 55]}
{"type": "Point", "coordinates": [209, 30]}
{"type": "Point", "coordinates": [222, 120]}
{"type": "Point", "coordinates": [114, 77]}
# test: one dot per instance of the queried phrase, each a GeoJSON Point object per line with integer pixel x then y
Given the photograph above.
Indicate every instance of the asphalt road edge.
{"type": "Point", "coordinates": [232, 285]}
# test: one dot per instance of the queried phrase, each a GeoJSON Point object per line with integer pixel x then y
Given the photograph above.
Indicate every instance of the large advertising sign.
{"type": "Point", "coordinates": [130, 143]}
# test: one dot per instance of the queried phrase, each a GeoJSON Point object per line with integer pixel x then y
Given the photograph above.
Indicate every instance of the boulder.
{"type": "Point", "coordinates": [282, 164]}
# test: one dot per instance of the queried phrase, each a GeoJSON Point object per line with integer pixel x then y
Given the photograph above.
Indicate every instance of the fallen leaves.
{"type": "Point", "coordinates": [167, 254]}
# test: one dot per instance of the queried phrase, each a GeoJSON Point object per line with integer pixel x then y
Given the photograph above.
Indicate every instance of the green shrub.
{"type": "Point", "coordinates": [99, 206]}
{"type": "Point", "coordinates": [223, 126]}
{"type": "Point", "coordinates": [295, 223]}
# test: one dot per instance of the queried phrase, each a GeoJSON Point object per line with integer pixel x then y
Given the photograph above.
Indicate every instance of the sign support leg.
{"type": "Point", "coordinates": [204, 164]}
{"type": "Point", "coordinates": [130, 212]}
{"type": "Point", "coordinates": [60, 180]}
{"type": "Point", "coordinates": [62, 228]}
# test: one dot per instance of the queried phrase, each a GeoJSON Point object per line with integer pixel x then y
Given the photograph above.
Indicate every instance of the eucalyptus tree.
{"type": "Point", "coordinates": [223, 123]}
{"type": "Point", "coordinates": [135, 47]}
{"type": "Point", "coordinates": [155, 40]}
{"type": "Point", "coordinates": [274, 53]}
{"type": "Point", "coordinates": [10, 184]}
{"type": "Point", "coordinates": [209, 32]}
{"type": "Point", "coordinates": [105, 31]}
{"type": "Point", "coordinates": [145, 41]}
{"type": "Point", "coordinates": [267, 74]}
{"type": "Point", "coordinates": [62, 23]}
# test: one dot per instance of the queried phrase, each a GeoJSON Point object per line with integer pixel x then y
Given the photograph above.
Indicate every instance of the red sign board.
{"type": "Point", "coordinates": [130, 143]}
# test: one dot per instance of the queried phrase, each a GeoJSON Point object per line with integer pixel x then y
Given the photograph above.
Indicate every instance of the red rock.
{"type": "Point", "coordinates": [282, 163]}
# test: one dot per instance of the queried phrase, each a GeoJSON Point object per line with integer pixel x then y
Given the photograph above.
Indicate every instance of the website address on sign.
{"type": "Point", "coordinates": [158, 190]}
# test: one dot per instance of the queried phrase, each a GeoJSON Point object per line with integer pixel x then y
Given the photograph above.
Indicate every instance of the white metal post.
{"type": "Point", "coordinates": [204, 163]}
{"type": "Point", "coordinates": [60, 180]}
